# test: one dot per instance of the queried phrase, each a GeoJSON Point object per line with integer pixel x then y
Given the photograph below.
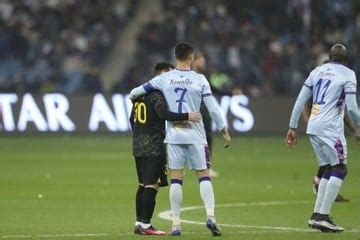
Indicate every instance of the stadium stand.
{"type": "Point", "coordinates": [56, 45]}
{"type": "Point", "coordinates": [265, 47]}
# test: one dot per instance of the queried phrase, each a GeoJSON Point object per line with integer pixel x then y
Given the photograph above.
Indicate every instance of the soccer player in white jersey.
{"type": "Point", "coordinates": [332, 86]}
{"type": "Point", "coordinates": [186, 142]}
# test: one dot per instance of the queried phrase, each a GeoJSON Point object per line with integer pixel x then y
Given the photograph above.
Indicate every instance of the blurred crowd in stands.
{"type": "Point", "coordinates": [264, 47]}
{"type": "Point", "coordinates": [57, 45]}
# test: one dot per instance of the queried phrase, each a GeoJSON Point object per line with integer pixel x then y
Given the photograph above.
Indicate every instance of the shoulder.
{"type": "Point", "coordinates": [316, 69]}
{"type": "Point", "coordinates": [347, 72]}
{"type": "Point", "coordinates": [201, 78]}
{"type": "Point", "coordinates": [156, 96]}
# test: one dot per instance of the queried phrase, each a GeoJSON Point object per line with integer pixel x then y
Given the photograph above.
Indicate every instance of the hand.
{"type": "Point", "coordinates": [291, 138]}
{"type": "Point", "coordinates": [357, 135]}
{"type": "Point", "coordinates": [194, 117]}
{"type": "Point", "coordinates": [227, 139]}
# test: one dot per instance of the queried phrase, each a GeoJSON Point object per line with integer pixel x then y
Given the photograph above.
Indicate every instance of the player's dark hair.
{"type": "Point", "coordinates": [338, 54]}
{"type": "Point", "coordinates": [162, 66]}
{"type": "Point", "coordinates": [183, 51]}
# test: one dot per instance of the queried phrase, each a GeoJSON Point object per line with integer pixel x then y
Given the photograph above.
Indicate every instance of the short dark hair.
{"type": "Point", "coordinates": [338, 53]}
{"type": "Point", "coordinates": [183, 51]}
{"type": "Point", "coordinates": [162, 66]}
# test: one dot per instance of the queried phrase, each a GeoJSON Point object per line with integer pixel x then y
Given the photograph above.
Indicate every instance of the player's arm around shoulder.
{"type": "Point", "coordinates": [147, 87]}
{"type": "Point", "coordinates": [161, 108]}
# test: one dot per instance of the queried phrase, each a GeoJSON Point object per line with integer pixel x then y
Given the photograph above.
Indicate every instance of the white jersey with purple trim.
{"type": "Point", "coordinates": [330, 83]}
{"type": "Point", "coordinates": [183, 91]}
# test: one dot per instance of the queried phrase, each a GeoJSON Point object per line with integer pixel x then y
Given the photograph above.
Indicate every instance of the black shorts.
{"type": "Point", "coordinates": [152, 170]}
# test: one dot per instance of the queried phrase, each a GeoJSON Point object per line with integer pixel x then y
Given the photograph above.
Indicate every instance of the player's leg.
{"type": "Point", "coordinates": [152, 176]}
{"type": "Point", "coordinates": [176, 198]}
{"type": "Point", "coordinates": [176, 161]}
{"type": "Point", "coordinates": [321, 193]}
{"type": "Point", "coordinates": [316, 181]}
{"type": "Point", "coordinates": [326, 170]}
{"type": "Point", "coordinates": [139, 195]}
{"type": "Point", "coordinates": [336, 151]}
{"type": "Point", "coordinates": [199, 159]}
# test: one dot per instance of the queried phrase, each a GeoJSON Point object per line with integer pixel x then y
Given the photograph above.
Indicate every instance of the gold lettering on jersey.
{"type": "Point", "coordinates": [140, 112]}
{"type": "Point", "coordinates": [314, 111]}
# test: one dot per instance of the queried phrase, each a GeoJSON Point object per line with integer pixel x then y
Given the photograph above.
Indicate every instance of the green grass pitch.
{"type": "Point", "coordinates": [82, 187]}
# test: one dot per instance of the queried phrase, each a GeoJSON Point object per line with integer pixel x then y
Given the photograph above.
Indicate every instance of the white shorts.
{"type": "Point", "coordinates": [329, 150]}
{"type": "Point", "coordinates": [197, 156]}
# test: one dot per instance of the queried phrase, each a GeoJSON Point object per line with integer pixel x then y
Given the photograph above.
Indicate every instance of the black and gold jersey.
{"type": "Point", "coordinates": [148, 124]}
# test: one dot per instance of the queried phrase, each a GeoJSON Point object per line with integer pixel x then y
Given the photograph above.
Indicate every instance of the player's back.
{"type": "Point", "coordinates": [183, 91]}
{"type": "Point", "coordinates": [328, 85]}
{"type": "Point", "coordinates": [148, 127]}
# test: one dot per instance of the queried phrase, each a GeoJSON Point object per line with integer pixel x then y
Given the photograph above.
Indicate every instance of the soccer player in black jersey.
{"type": "Point", "coordinates": [148, 124]}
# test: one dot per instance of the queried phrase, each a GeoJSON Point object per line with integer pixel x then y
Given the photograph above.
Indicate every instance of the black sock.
{"type": "Point", "coordinates": [148, 204]}
{"type": "Point", "coordinates": [139, 203]}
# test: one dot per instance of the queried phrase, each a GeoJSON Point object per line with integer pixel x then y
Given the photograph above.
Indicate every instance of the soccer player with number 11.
{"type": "Point", "coordinates": [332, 85]}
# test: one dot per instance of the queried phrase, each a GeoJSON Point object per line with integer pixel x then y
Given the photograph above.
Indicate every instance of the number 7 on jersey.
{"type": "Point", "coordinates": [181, 100]}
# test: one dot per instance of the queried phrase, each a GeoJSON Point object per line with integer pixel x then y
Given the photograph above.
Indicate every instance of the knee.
{"type": "Point", "coordinates": [202, 173]}
{"type": "Point", "coordinates": [176, 174]}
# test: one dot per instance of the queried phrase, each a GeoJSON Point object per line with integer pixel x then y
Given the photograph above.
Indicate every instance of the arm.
{"type": "Point", "coordinates": [352, 108]}
{"type": "Point", "coordinates": [307, 111]}
{"type": "Point", "coordinates": [137, 92]}
{"type": "Point", "coordinates": [147, 87]}
{"type": "Point", "coordinates": [349, 123]}
{"type": "Point", "coordinates": [131, 119]}
{"type": "Point", "coordinates": [291, 136]}
{"type": "Point", "coordinates": [215, 111]}
{"type": "Point", "coordinates": [162, 111]}
{"type": "Point", "coordinates": [303, 97]}
{"type": "Point", "coordinates": [216, 115]}
{"type": "Point", "coordinates": [350, 99]}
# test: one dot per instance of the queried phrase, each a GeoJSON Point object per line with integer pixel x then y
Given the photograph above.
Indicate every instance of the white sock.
{"type": "Point", "coordinates": [207, 195]}
{"type": "Point", "coordinates": [176, 197]}
{"type": "Point", "coordinates": [320, 194]}
{"type": "Point", "coordinates": [332, 190]}
{"type": "Point", "coordinates": [145, 225]}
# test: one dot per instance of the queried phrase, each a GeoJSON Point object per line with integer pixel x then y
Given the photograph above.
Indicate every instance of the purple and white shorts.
{"type": "Point", "coordinates": [329, 150]}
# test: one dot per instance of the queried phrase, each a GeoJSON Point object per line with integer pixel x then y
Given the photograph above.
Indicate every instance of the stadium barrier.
{"type": "Point", "coordinates": [55, 112]}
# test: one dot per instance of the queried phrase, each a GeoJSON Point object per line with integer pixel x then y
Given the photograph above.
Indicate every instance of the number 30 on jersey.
{"type": "Point", "coordinates": [140, 113]}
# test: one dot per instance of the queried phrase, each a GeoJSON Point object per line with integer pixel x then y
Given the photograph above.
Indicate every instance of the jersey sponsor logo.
{"type": "Point", "coordinates": [314, 111]}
